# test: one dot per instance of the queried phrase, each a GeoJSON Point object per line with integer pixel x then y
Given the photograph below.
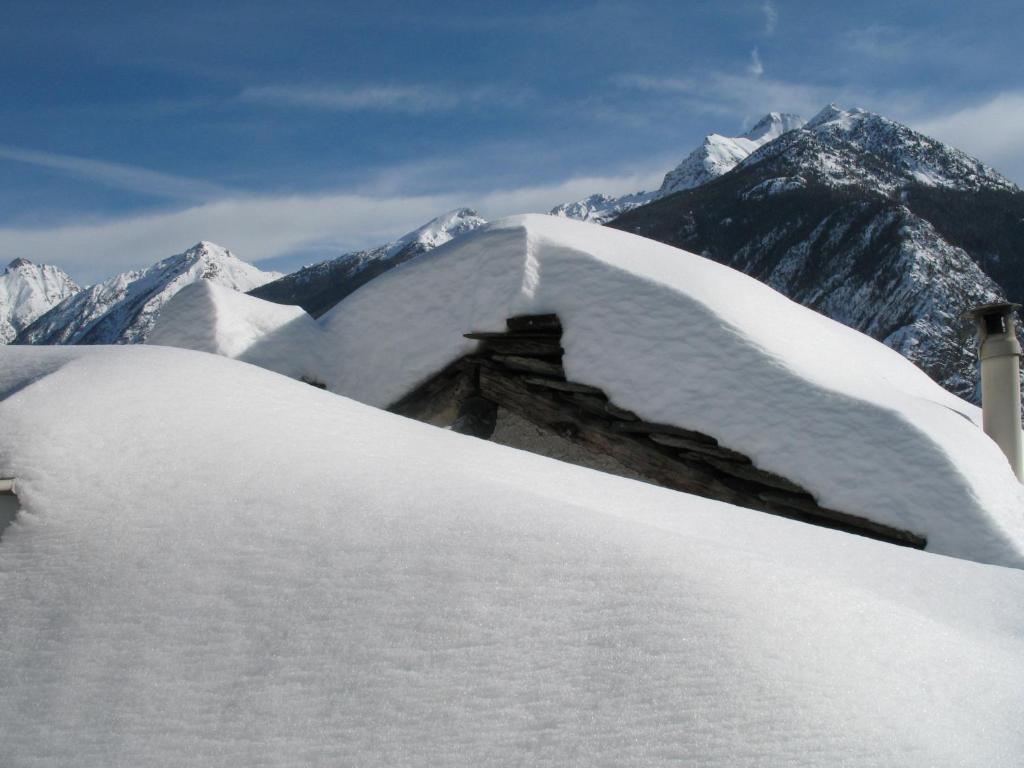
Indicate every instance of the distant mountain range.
{"type": "Point", "coordinates": [27, 291]}
{"type": "Point", "coordinates": [319, 287]}
{"type": "Point", "coordinates": [717, 155]}
{"type": "Point", "coordinates": [867, 221]}
{"type": "Point", "coordinates": [852, 214]}
{"type": "Point", "coordinates": [123, 309]}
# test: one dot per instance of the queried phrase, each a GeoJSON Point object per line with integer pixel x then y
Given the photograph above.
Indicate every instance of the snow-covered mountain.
{"type": "Point", "coordinates": [715, 156]}
{"type": "Point", "coordinates": [123, 309]}
{"type": "Point", "coordinates": [867, 221]}
{"type": "Point", "coordinates": [27, 291]}
{"type": "Point", "coordinates": [319, 287]}
{"type": "Point", "coordinates": [720, 154]}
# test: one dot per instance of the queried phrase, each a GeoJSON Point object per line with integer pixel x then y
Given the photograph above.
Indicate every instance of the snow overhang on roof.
{"type": "Point", "coordinates": [677, 339]}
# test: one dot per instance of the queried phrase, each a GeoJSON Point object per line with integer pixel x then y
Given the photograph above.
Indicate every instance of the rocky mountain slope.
{"type": "Point", "coordinates": [319, 287]}
{"type": "Point", "coordinates": [866, 221]}
{"type": "Point", "coordinates": [27, 291]}
{"type": "Point", "coordinates": [123, 309]}
{"type": "Point", "coordinates": [715, 156]}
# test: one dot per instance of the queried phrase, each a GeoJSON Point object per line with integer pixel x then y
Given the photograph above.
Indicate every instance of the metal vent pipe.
{"type": "Point", "coordinates": [999, 351]}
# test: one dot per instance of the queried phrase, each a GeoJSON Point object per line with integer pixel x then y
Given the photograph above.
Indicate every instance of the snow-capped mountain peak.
{"type": "Point", "coordinates": [319, 287]}
{"type": "Point", "coordinates": [715, 156]}
{"type": "Point", "coordinates": [834, 115]}
{"type": "Point", "coordinates": [124, 308]}
{"type": "Point", "coordinates": [445, 227]}
{"type": "Point", "coordinates": [857, 146]}
{"type": "Point", "coordinates": [27, 291]}
{"type": "Point", "coordinates": [720, 154]}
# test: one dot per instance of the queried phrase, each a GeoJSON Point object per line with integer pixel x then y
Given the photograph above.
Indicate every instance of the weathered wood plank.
{"type": "Point", "coordinates": [531, 365]}
{"type": "Point", "coordinates": [752, 474]}
{"type": "Point", "coordinates": [805, 507]}
{"type": "Point", "coordinates": [564, 386]}
{"type": "Point", "coordinates": [547, 411]}
{"type": "Point", "coordinates": [589, 403]}
{"type": "Point", "coordinates": [530, 347]}
{"type": "Point", "coordinates": [703, 448]}
{"type": "Point", "coordinates": [619, 413]}
{"type": "Point", "coordinates": [498, 335]}
{"type": "Point", "coordinates": [546, 323]}
{"type": "Point", "coordinates": [650, 428]}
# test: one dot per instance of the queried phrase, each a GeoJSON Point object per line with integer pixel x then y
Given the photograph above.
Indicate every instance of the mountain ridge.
{"type": "Point", "coordinates": [320, 286]}
{"type": "Point", "coordinates": [28, 291]}
{"type": "Point", "coordinates": [123, 308]}
{"type": "Point", "coordinates": [867, 221]}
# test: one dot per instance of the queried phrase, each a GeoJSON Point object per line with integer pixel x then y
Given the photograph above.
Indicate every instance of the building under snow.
{"type": "Point", "coordinates": [618, 353]}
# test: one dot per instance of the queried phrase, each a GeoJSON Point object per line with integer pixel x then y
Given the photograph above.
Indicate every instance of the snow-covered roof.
{"type": "Point", "coordinates": [678, 339]}
{"type": "Point", "coordinates": [221, 566]}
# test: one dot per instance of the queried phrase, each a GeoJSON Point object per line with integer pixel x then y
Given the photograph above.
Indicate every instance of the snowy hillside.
{"type": "Point", "coordinates": [123, 309]}
{"type": "Point", "coordinates": [677, 339]}
{"type": "Point", "coordinates": [212, 588]}
{"type": "Point", "coordinates": [716, 156]}
{"type": "Point", "coordinates": [319, 287]}
{"type": "Point", "coordinates": [27, 291]}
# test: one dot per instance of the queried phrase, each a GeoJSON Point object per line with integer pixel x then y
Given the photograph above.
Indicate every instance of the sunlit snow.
{"type": "Point", "coordinates": [216, 565]}
{"type": "Point", "coordinates": [672, 336]}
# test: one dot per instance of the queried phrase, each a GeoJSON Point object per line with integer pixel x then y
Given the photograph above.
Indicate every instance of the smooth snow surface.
{"type": "Point", "coordinates": [218, 566]}
{"type": "Point", "coordinates": [681, 340]}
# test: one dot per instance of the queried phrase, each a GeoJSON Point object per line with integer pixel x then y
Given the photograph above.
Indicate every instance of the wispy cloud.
{"type": "Point", "coordinates": [721, 93]}
{"type": "Point", "coordinates": [410, 99]}
{"type": "Point", "coordinates": [771, 17]}
{"type": "Point", "coordinates": [755, 67]}
{"type": "Point", "coordinates": [742, 95]}
{"type": "Point", "coordinates": [991, 130]}
{"type": "Point", "coordinates": [883, 43]}
{"type": "Point", "coordinates": [262, 228]}
{"type": "Point", "coordinates": [117, 175]}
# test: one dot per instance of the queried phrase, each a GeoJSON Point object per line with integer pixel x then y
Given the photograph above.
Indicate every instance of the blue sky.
{"type": "Point", "coordinates": [293, 132]}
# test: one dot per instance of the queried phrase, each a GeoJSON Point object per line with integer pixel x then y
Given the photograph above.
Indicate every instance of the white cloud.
{"type": "Point", "coordinates": [771, 17]}
{"type": "Point", "coordinates": [721, 93]}
{"type": "Point", "coordinates": [261, 228]}
{"type": "Point", "coordinates": [117, 175]}
{"type": "Point", "coordinates": [410, 99]}
{"type": "Point", "coordinates": [755, 68]}
{"type": "Point", "coordinates": [991, 131]}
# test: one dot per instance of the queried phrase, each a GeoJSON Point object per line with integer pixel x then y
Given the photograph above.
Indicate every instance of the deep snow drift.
{"type": "Point", "coordinates": [219, 566]}
{"type": "Point", "coordinates": [674, 337]}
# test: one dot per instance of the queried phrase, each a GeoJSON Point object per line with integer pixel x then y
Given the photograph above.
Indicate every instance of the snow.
{"type": "Point", "coordinates": [677, 339]}
{"type": "Point", "coordinates": [717, 155]}
{"type": "Point", "coordinates": [124, 308]}
{"type": "Point", "coordinates": [27, 291]}
{"type": "Point", "coordinates": [218, 566]}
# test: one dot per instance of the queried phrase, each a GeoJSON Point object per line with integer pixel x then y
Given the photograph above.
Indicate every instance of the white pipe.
{"type": "Point", "coordinates": [1000, 352]}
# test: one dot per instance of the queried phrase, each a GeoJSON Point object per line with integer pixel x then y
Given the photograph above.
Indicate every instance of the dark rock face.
{"type": "Point", "coordinates": [319, 287]}
{"type": "Point", "coordinates": [867, 222]}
